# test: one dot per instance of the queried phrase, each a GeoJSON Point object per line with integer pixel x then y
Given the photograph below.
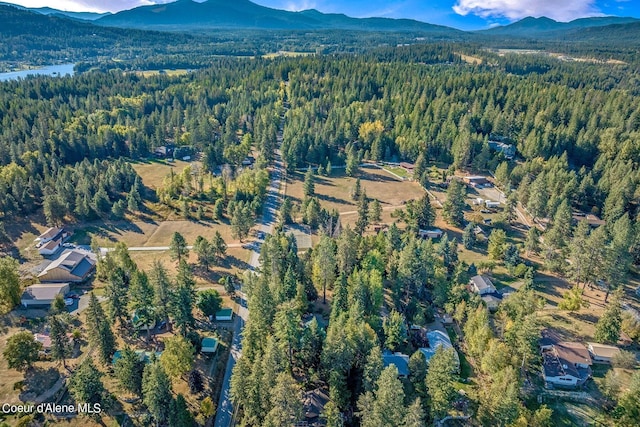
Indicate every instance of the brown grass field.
{"type": "Point", "coordinates": [334, 192]}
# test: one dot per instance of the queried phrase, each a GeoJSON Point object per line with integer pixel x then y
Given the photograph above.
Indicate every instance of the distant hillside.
{"type": "Point", "coordinates": [548, 28]}
{"type": "Point", "coordinates": [627, 34]}
{"type": "Point", "coordinates": [83, 16]}
{"type": "Point", "coordinates": [243, 14]}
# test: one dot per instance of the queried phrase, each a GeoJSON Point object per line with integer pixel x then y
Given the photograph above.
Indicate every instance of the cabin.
{"type": "Point", "coordinates": [399, 360]}
{"type": "Point", "coordinates": [409, 167]}
{"type": "Point", "coordinates": [565, 364]}
{"type": "Point", "coordinates": [592, 220]}
{"type": "Point", "coordinates": [482, 285]}
{"type": "Point", "coordinates": [209, 345]}
{"type": "Point", "coordinates": [71, 266]}
{"type": "Point", "coordinates": [43, 294]}
{"type": "Point", "coordinates": [436, 233]}
{"type": "Point", "coordinates": [164, 151]}
{"type": "Point", "coordinates": [476, 181]}
{"type": "Point", "coordinates": [601, 353]}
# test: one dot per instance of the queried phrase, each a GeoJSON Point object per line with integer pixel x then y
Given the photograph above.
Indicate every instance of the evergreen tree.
{"type": "Point", "coordinates": [60, 347]}
{"type": "Point", "coordinates": [179, 415]}
{"type": "Point", "coordinates": [372, 369]}
{"type": "Point", "coordinates": [453, 207]}
{"type": "Point", "coordinates": [209, 302]}
{"type": "Point", "coordinates": [141, 300]}
{"type": "Point", "coordinates": [178, 356]}
{"type": "Point", "coordinates": [532, 243]}
{"type": "Point", "coordinates": [497, 244]}
{"type": "Point", "coordinates": [440, 380]}
{"type": "Point", "coordinates": [414, 416]}
{"type": "Point", "coordinates": [385, 406]}
{"type": "Point", "coordinates": [218, 245]}
{"type": "Point", "coordinates": [162, 289]}
{"type": "Point", "coordinates": [156, 392]}
{"type": "Point", "coordinates": [309, 183]}
{"type": "Point", "coordinates": [332, 415]}
{"type": "Point", "coordinates": [286, 402]}
{"type": "Point", "coordinates": [363, 214]}
{"type": "Point", "coordinates": [469, 236]}
{"type": "Point", "coordinates": [609, 324]}
{"type": "Point", "coordinates": [395, 330]}
{"type": "Point", "coordinates": [375, 214]}
{"type": "Point", "coordinates": [324, 265]}
{"type": "Point", "coordinates": [118, 296]}
{"type": "Point", "coordinates": [128, 370]}
{"type": "Point", "coordinates": [86, 385]}
{"type": "Point", "coordinates": [178, 247]}
{"type": "Point", "coordinates": [205, 252]}
{"type": "Point", "coordinates": [183, 298]}
{"type": "Point", "coordinates": [425, 214]}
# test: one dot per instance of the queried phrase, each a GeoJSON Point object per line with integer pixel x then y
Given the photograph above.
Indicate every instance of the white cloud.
{"type": "Point", "coordinates": [296, 6]}
{"type": "Point", "coordinates": [560, 10]}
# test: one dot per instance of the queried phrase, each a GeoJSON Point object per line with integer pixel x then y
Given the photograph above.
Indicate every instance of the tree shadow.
{"type": "Point", "coordinates": [37, 381]}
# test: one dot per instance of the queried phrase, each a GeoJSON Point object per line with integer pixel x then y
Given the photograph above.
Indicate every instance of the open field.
{"type": "Point", "coordinates": [334, 192]}
{"type": "Point", "coordinates": [153, 172]}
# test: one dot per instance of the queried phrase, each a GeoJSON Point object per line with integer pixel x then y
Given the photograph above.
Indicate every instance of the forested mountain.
{"type": "Point", "coordinates": [187, 14]}
{"type": "Point", "coordinates": [84, 16]}
{"type": "Point", "coordinates": [548, 28]}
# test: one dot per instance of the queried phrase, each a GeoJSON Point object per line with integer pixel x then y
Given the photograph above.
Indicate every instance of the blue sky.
{"type": "Point", "coordinates": [464, 14]}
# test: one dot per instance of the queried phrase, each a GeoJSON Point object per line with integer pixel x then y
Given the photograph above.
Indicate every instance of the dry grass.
{"type": "Point", "coordinates": [154, 172]}
{"type": "Point", "coordinates": [334, 192]}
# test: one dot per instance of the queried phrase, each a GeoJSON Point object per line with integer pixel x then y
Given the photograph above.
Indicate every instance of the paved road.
{"type": "Point", "coordinates": [224, 413]}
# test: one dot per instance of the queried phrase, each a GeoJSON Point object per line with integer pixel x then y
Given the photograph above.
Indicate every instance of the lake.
{"type": "Point", "coordinates": [51, 70]}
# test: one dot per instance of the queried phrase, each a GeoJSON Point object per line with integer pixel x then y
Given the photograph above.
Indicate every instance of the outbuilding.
{"type": "Point", "coordinates": [209, 345]}
{"type": "Point", "coordinates": [601, 353]}
{"type": "Point", "coordinates": [43, 294]}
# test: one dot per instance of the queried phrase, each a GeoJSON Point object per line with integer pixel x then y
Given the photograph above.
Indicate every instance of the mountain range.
{"type": "Point", "coordinates": [188, 15]}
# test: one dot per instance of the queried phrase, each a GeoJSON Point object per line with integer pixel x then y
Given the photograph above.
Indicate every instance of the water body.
{"type": "Point", "coordinates": [51, 70]}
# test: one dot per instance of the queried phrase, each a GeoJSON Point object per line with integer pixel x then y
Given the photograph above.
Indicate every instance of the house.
{"type": "Point", "coordinates": [592, 220]}
{"type": "Point", "coordinates": [490, 204]}
{"type": "Point", "coordinates": [43, 294]}
{"type": "Point", "coordinates": [482, 285]}
{"type": "Point", "coordinates": [45, 340]}
{"type": "Point", "coordinates": [165, 151]}
{"type": "Point", "coordinates": [565, 364]}
{"type": "Point", "coordinates": [51, 234]}
{"type": "Point", "coordinates": [601, 353]}
{"type": "Point", "coordinates": [51, 247]}
{"type": "Point", "coordinates": [476, 181]}
{"type": "Point", "coordinates": [313, 403]}
{"type": "Point", "coordinates": [400, 360]}
{"type": "Point", "coordinates": [409, 167]}
{"type": "Point", "coordinates": [430, 234]}
{"type": "Point", "coordinates": [209, 345]}
{"type": "Point", "coordinates": [508, 150]}
{"type": "Point", "coordinates": [437, 338]}
{"type": "Point", "coordinates": [72, 266]}
{"type": "Point", "coordinates": [492, 301]}
{"type": "Point", "coordinates": [224, 315]}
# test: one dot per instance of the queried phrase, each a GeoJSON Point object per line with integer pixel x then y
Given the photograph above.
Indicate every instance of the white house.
{"type": "Point", "coordinates": [430, 234]}
{"type": "Point", "coordinates": [601, 353]}
{"type": "Point", "coordinates": [51, 247]}
{"type": "Point", "coordinates": [482, 285]}
{"type": "Point", "coordinates": [566, 364]}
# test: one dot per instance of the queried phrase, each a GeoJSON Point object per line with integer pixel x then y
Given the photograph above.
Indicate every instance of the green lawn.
{"type": "Point", "coordinates": [397, 170]}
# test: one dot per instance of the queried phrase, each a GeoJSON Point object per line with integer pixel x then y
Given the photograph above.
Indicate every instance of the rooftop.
{"type": "Point", "coordinates": [603, 350]}
{"type": "Point", "coordinates": [573, 352]}
{"type": "Point", "coordinates": [482, 283]}
{"type": "Point", "coordinates": [400, 360]}
{"type": "Point", "coordinates": [44, 291]}
{"type": "Point", "coordinates": [75, 262]}
{"type": "Point", "coordinates": [50, 233]}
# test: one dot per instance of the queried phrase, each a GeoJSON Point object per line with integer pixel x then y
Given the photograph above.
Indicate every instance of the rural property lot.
{"type": "Point", "coordinates": [334, 192]}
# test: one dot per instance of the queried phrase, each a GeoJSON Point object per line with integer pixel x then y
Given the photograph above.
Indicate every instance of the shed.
{"type": "Point", "coordinates": [43, 294]}
{"type": "Point", "coordinates": [601, 353]}
{"type": "Point", "coordinates": [51, 247]}
{"type": "Point", "coordinates": [491, 204]}
{"type": "Point", "coordinates": [209, 345]}
{"type": "Point", "coordinates": [224, 315]}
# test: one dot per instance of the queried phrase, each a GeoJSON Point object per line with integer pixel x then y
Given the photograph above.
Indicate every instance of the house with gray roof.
{"type": "Point", "coordinates": [71, 266]}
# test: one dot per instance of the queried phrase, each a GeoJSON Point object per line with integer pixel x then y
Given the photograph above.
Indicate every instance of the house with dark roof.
{"type": "Point", "coordinates": [42, 294]}
{"type": "Point", "coordinates": [71, 266]}
{"type": "Point", "coordinates": [565, 364]}
{"type": "Point", "coordinates": [313, 403]}
{"type": "Point", "coordinates": [164, 151]}
{"type": "Point", "coordinates": [399, 360]}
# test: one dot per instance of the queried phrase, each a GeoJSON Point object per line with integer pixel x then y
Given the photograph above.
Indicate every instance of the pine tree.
{"type": "Point", "coordinates": [414, 416]}
{"type": "Point", "coordinates": [86, 385]}
{"type": "Point", "coordinates": [178, 356]}
{"type": "Point", "coordinates": [363, 214]}
{"type": "Point", "coordinates": [183, 298]}
{"type": "Point", "coordinates": [162, 289]}
{"type": "Point", "coordinates": [60, 347]}
{"type": "Point", "coordinates": [156, 392]}
{"type": "Point", "coordinates": [179, 415]}
{"type": "Point", "coordinates": [141, 300]}
{"type": "Point", "coordinates": [469, 236]}
{"type": "Point", "coordinates": [356, 191]}
{"type": "Point", "coordinates": [395, 330]}
{"type": "Point", "coordinates": [440, 380]}
{"type": "Point", "coordinates": [128, 370]}
{"type": "Point", "coordinates": [497, 244]}
{"type": "Point", "coordinates": [10, 289]}
{"type": "Point", "coordinates": [309, 183]}
{"type": "Point", "coordinates": [453, 207]}
{"type": "Point", "coordinates": [375, 214]}
{"type": "Point", "coordinates": [218, 245]}
{"type": "Point", "coordinates": [387, 407]}
{"type": "Point", "coordinates": [372, 369]}
{"type": "Point", "coordinates": [609, 324]}
{"type": "Point", "coordinates": [332, 415]}
{"type": "Point", "coordinates": [205, 252]}
{"type": "Point", "coordinates": [117, 296]}
{"type": "Point", "coordinates": [178, 247]}
{"type": "Point", "coordinates": [425, 214]}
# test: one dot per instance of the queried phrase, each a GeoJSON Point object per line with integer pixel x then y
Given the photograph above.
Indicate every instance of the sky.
{"type": "Point", "coordinates": [463, 14]}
